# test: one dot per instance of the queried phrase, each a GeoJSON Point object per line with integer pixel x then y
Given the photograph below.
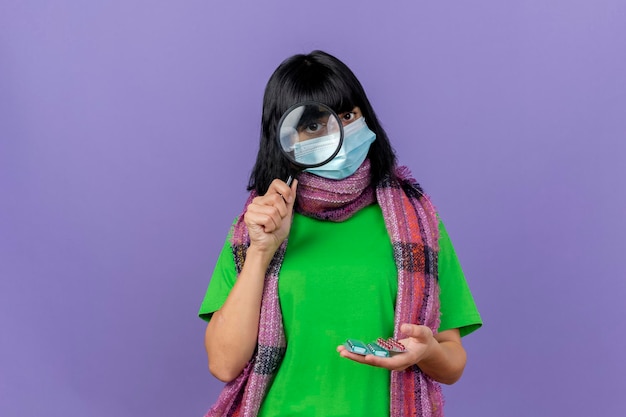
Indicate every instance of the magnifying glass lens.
{"type": "Point", "coordinates": [310, 134]}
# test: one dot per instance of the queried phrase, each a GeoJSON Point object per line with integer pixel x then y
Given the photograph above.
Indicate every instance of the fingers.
{"type": "Point", "coordinates": [287, 193]}
{"type": "Point", "coordinates": [419, 332]}
{"type": "Point", "coordinates": [267, 213]}
{"type": "Point", "coordinates": [270, 211]}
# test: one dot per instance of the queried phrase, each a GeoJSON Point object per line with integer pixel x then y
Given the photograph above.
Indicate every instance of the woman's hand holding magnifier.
{"type": "Point", "coordinates": [268, 217]}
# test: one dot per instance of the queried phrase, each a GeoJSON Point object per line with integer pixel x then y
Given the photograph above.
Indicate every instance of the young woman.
{"type": "Point", "coordinates": [352, 250]}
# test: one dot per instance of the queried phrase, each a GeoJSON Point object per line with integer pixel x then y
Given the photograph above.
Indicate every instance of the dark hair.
{"type": "Point", "coordinates": [320, 77]}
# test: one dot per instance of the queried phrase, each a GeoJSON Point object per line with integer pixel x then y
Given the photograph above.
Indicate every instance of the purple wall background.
{"type": "Point", "coordinates": [128, 128]}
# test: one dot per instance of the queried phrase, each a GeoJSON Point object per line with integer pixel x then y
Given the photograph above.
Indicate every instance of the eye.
{"type": "Point", "coordinates": [348, 117]}
{"type": "Point", "coordinates": [313, 127]}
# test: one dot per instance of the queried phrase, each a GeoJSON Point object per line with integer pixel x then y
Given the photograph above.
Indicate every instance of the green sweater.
{"type": "Point", "coordinates": [339, 281]}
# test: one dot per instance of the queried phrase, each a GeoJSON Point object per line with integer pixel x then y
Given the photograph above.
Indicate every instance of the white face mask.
{"type": "Point", "coordinates": [356, 144]}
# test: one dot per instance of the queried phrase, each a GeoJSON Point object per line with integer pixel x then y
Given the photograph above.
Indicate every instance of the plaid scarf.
{"type": "Point", "coordinates": [412, 225]}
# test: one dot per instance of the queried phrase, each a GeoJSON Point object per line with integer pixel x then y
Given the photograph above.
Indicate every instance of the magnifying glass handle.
{"type": "Point", "coordinates": [288, 182]}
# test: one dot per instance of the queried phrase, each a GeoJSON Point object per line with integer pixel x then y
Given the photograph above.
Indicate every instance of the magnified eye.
{"type": "Point", "coordinates": [313, 128]}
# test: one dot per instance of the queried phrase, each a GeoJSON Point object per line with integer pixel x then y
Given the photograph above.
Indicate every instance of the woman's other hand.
{"type": "Point", "coordinates": [440, 356]}
{"type": "Point", "coordinates": [268, 217]}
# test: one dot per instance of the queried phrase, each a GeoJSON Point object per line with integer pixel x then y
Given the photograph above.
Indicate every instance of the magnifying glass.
{"type": "Point", "coordinates": [310, 134]}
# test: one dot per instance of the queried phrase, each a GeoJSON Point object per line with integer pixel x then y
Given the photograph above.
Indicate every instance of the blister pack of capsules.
{"type": "Point", "coordinates": [381, 347]}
